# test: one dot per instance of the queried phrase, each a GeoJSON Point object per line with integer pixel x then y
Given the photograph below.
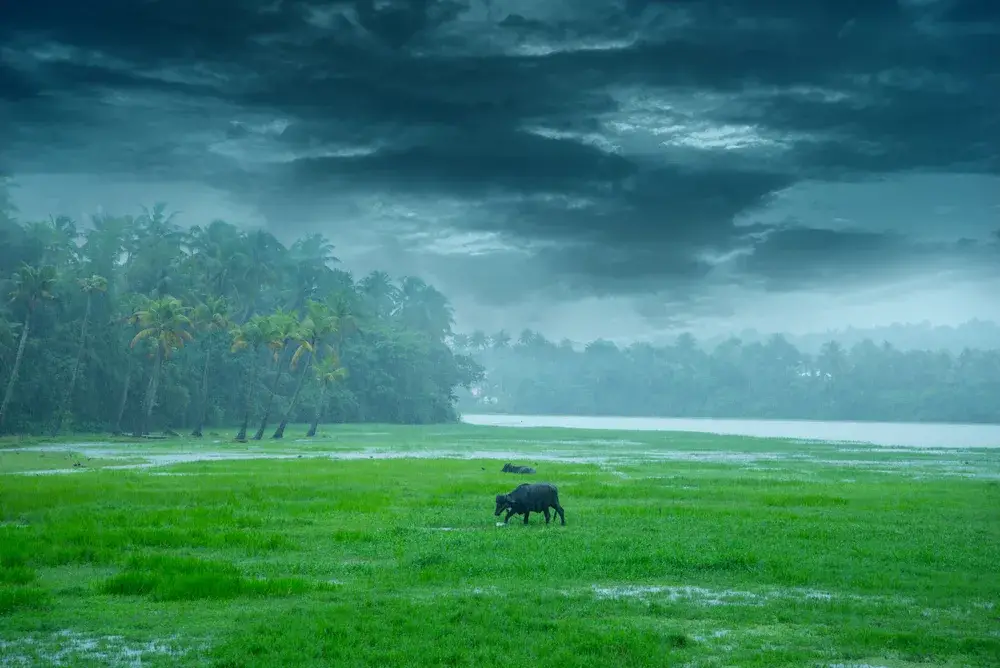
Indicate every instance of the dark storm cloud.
{"type": "Point", "coordinates": [617, 140]}
{"type": "Point", "coordinates": [15, 86]}
{"type": "Point", "coordinates": [796, 257]}
{"type": "Point", "coordinates": [473, 162]}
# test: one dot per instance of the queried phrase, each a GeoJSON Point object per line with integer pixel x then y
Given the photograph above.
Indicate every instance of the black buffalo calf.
{"type": "Point", "coordinates": [510, 468]}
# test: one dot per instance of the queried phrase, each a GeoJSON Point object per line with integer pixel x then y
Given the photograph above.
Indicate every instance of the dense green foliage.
{"type": "Point", "coordinates": [773, 380]}
{"type": "Point", "coordinates": [135, 323]}
{"type": "Point", "coordinates": [678, 549]}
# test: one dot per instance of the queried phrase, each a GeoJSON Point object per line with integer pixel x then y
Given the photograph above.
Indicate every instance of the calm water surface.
{"type": "Point", "coordinates": [928, 435]}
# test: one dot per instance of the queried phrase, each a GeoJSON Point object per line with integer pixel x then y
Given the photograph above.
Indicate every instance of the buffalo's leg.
{"type": "Point", "coordinates": [546, 513]}
{"type": "Point", "coordinates": [526, 514]}
{"type": "Point", "coordinates": [562, 515]}
{"type": "Point", "coordinates": [507, 519]}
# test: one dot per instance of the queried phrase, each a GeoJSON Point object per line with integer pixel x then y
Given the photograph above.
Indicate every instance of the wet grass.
{"type": "Point", "coordinates": [723, 551]}
{"type": "Point", "coordinates": [19, 460]}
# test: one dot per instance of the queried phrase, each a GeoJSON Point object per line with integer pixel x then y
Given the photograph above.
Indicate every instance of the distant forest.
{"type": "Point", "coordinates": [772, 379]}
{"type": "Point", "coordinates": [134, 324]}
{"type": "Point", "coordinates": [975, 334]}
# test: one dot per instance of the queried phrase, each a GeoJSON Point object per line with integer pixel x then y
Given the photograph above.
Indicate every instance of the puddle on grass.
{"type": "Point", "coordinates": [533, 457]}
{"type": "Point", "coordinates": [619, 442]}
{"type": "Point", "coordinates": [908, 450]}
{"type": "Point", "coordinates": [70, 648]}
{"type": "Point", "coordinates": [167, 459]}
{"type": "Point", "coordinates": [714, 635]}
{"type": "Point", "coordinates": [674, 593]}
{"type": "Point", "coordinates": [50, 471]}
{"type": "Point", "coordinates": [712, 597]}
{"type": "Point", "coordinates": [752, 460]}
{"type": "Point", "coordinates": [154, 460]}
{"type": "Point", "coordinates": [485, 591]}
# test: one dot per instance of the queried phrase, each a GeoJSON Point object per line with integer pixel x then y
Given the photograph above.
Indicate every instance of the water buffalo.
{"type": "Point", "coordinates": [510, 468]}
{"type": "Point", "coordinates": [530, 498]}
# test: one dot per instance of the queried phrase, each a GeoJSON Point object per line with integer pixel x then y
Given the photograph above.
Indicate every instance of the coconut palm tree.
{"type": "Point", "coordinates": [214, 254]}
{"type": "Point", "coordinates": [317, 327]}
{"type": "Point", "coordinates": [478, 340]}
{"type": "Point", "coordinates": [56, 238]}
{"type": "Point", "coordinates": [32, 286]}
{"type": "Point", "coordinates": [423, 308]}
{"type": "Point", "coordinates": [282, 328]}
{"type": "Point", "coordinates": [309, 261]}
{"type": "Point", "coordinates": [105, 250]}
{"type": "Point", "coordinates": [154, 259]}
{"type": "Point", "coordinates": [210, 317]}
{"type": "Point", "coordinates": [90, 287]}
{"type": "Point", "coordinates": [501, 340]}
{"type": "Point", "coordinates": [251, 336]}
{"type": "Point", "coordinates": [345, 322]}
{"type": "Point", "coordinates": [130, 305]}
{"type": "Point", "coordinates": [459, 341]}
{"type": "Point", "coordinates": [327, 371]}
{"type": "Point", "coordinates": [261, 257]}
{"type": "Point", "coordinates": [381, 293]}
{"type": "Point", "coordinates": [166, 322]}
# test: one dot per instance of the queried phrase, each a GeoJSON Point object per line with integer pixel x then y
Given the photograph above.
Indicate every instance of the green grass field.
{"type": "Point", "coordinates": [377, 546]}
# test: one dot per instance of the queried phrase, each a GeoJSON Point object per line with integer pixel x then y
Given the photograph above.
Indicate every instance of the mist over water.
{"type": "Point", "coordinates": [924, 435]}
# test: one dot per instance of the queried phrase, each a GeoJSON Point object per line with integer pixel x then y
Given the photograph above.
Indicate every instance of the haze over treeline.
{"type": "Point", "coordinates": [977, 334]}
{"type": "Point", "coordinates": [134, 323]}
{"type": "Point", "coordinates": [770, 379]}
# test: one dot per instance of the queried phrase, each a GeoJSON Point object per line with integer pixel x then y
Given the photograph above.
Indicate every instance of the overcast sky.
{"type": "Point", "coordinates": [588, 168]}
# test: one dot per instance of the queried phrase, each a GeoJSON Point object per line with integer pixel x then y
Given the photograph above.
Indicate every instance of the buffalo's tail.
{"type": "Point", "coordinates": [559, 508]}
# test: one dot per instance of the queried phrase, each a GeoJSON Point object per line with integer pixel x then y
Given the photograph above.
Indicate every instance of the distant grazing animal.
{"type": "Point", "coordinates": [530, 498]}
{"type": "Point", "coordinates": [510, 468]}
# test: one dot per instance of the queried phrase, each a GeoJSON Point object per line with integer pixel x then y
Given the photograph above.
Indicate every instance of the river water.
{"type": "Point", "coordinates": [928, 435]}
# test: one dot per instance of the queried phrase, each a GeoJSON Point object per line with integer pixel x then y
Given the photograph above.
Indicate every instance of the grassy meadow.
{"type": "Point", "coordinates": [377, 546]}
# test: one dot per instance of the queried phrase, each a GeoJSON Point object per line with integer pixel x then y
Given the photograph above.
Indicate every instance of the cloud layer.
{"type": "Point", "coordinates": [612, 147]}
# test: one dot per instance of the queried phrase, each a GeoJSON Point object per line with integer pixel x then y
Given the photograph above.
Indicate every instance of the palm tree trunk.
{"type": "Point", "coordinates": [220, 287]}
{"type": "Point", "coordinates": [242, 435]}
{"type": "Point", "coordinates": [319, 411]}
{"type": "Point", "coordinates": [139, 424]}
{"type": "Point", "coordinates": [280, 431]}
{"type": "Point", "coordinates": [67, 400]}
{"type": "Point", "coordinates": [270, 402]}
{"type": "Point", "coordinates": [251, 308]}
{"type": "Point", "coordinates": [9, 394]}
{"type": "Point", "coordinates": [204, 393]}
{"type": "Point", "coordinates": [124, 400]}
{"type": "Point", "coordinates": [154, 384]}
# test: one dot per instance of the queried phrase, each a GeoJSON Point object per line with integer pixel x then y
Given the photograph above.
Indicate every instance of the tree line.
{"type": "Point", "coordinates": [133, 324]}
{"type": "Point", "coordinates": [769, 379]}
{"type": "Point", "coordinates": [976, 334]}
